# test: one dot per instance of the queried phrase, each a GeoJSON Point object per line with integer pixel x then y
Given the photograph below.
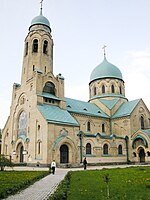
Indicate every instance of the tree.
{"type": "Point", "coordinates": [5, 162]}
{"type": "Point", "coordinates": [0, 140]}
{"type": "Point", "coordinates": [106, 180]}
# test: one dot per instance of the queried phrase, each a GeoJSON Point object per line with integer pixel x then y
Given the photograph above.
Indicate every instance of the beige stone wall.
{"type": "Point", "coordinates": [107, 83]}
{"type": "Point", "coordinates": [39, 60]}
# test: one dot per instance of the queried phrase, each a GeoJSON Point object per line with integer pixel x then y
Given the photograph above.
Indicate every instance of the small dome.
{"type": "Point", "coordinates": [105, 70]}
{"type": "Point", "coordinates": [40, 19]}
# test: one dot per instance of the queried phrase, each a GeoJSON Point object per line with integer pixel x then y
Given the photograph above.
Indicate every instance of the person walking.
{"type": "Point", "coordinates": [85, 163]}
{"type": "Point", "coordinates": [53, 166]}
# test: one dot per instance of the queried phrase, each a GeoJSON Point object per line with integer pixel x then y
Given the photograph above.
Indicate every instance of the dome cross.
{"type": "Point", "coordinates": [41, 2]}
{"type": "Point", "coordinates": [104, 48]}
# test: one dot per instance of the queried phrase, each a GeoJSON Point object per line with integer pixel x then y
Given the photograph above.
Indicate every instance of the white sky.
{"type": "Point", "coordinates": [80, 28]}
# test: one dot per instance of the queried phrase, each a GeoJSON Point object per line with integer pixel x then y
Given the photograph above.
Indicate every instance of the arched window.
{"type": "Point", "coordinates": [112, 89]}
{"type": "Point", "coordinates": [105, 149]}
{"type": "Point", "coordinates": [88, 126]}
{"type": "Point", "coordinates": [94, 90]}
{"type": "Point", "coordinates": [22, 123]}
{"type": "Point", "coordinates": [35, 46]}
{"type": "Point", "coordinates": [26, 49]}
{"type": "Point", "coordinates": [45, 69]}
{"type": "Point", "coordinates": [39, 147]}
{"type": "Point", "coordinates": [120, 149]}
{"type": "Point", "coordinates": [45, 46]}
{"type": "Point", "coordinates": [49, 88]}
{"type": "Point", "coordinates": [142, 122]}
{"type": "Point", "coordinates": [103, 89]}
{"type": "Point", "coordinates": [120, 89]}
{"type": "Point", "coordinates": [103, 128]}
{"type": "Point", "coordinates": [88, 148]}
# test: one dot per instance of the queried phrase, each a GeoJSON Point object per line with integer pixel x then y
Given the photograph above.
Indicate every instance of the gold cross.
{"type": "Point", "coordinates": [41, 2]}
{"type": "Point", "coordinates": [104, 47]}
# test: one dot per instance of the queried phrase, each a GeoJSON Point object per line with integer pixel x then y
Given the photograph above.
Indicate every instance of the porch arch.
{"type": "Point", "coordinates": [19, 153]}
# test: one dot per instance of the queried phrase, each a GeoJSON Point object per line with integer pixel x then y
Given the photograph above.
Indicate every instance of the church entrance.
{"type": "Point", "coordinates": [142, 155]}
{"type": "Point", "coordinates": [20, 153]}
{"type": "Point", "coordinates": [64, 154]}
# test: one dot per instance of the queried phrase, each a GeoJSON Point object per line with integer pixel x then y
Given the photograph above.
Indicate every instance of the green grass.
{"type": "Point", "coordinates": [14, 181]}
{"type": "Point", "coordinates": [124, 184]}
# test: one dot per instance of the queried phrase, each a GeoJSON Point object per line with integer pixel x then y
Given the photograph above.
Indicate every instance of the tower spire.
{"type": "Point", "coordinates": [104, 48]}
{"type": "Point", "coordinates": [41, 2]}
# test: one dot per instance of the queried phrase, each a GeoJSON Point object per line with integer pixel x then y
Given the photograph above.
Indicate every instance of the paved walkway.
{"type": "Point", "coordinates": [43, 188]}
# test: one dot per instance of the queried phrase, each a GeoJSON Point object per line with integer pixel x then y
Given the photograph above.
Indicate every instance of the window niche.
{"type": "Point", "coordinates": [35, 46]}
{"type": "Point", "coordinates": [103, 128]}
{"type": "Point", "coordinates": [142, 122]}
{"type": "Point", "coordinates": [103, 89]}
{"type": "Point", "coordinates": [112, 88]}
{"type": "Point", "coordinates": [120, 89]}
{"type": "Point", "coordinates": [88, 126]}
{"type": "Point", "coordinates": [95, 92]}
{"type": "Point", "coordinates": [88, 148]}
{"type": "Point", "coordinates": [120, 150]}
{"type": "Point", "coordinates": [49, 88]}
{"type": "Point", "coordinates": [105, 149]}
{"type": "Point", "coordinates": [39, 147]}
{"type": "Point", "coordinates": [45, 47]}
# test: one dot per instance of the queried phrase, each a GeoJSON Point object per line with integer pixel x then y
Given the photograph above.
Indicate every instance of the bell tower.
{"type": "Point", "coordinates": [38, 48]}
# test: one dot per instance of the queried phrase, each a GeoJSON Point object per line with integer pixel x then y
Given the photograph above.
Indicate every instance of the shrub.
{"type": "Point", "coordinates": [5, 162]}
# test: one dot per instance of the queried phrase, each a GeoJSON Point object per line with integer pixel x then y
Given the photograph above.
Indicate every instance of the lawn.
{"type": "Point", "coordinates": [123, 184]}
{"type": "Point", "coordinates": [14, 181]}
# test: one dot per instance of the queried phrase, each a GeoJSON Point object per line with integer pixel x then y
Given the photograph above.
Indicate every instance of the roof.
{"type": "Point", "coordinates": [109, 103]}
{"type": "Point", "coordinates": [109, 95]}
{"type": "Point", "coordinates": [40, 20]}
{"type": "Point", "coordinates": [84, 108]}
{"type": "Point", "coordinates": [126, 108]}
{"type": "Point", "coordinates": [147, 132]}
{"type": "Point", "coordinates": [101, 135]}
{"type": "Point", "coordinates": [56, 115]}
{"type": "Point", "coordinates": [48, 95]}
{"type": "Point", "coordinates": [105, 70]}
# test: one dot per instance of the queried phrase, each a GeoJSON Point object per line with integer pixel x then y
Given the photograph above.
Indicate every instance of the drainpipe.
{"type": "Point", "coordinates": [127, 147]}
{"type": "Point", "coordinates": [110, 122]}
{"type": "Point", "coordinates": [81, 154]}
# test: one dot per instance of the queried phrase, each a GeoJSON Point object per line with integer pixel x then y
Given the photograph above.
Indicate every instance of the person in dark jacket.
{"type": "Point", "coordinates": [85, 163]}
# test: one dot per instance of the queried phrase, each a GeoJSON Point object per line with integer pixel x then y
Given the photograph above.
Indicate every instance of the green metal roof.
{"type": "Point", "coordinates": [40, 20]}
{"type": "Point", "coordinates": [109, 95]}
{"type": "Point", "coordinates": [56, 115]}
{"type": "Point", "coordinates": [101, 135]}
{"type": "Point", "coordinates": [109, 103]}
{"type": "Point", "coordinates": [126, 108]}
{"type": "Point", "coordinates": [84, 108]}
{"type": "Point", "coordinates": [105, 70]}
{"type": "Point", "coordinates": [147, 132]}
{"type": "Point", "coordinates": [50, 96]}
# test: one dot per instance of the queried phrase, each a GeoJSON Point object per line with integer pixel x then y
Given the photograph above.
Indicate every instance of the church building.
{"type": "Point", "coordinates": [44, 124]}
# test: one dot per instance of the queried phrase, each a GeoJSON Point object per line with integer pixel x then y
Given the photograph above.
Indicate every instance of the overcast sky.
{"type": "Point", "coordinates": [80, 28]}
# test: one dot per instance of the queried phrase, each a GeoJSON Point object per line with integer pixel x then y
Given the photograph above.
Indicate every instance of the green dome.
{"type": "Point", "coordinates": [40, 19]}
{"type": "Point", "coordinates": [105, 70]}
